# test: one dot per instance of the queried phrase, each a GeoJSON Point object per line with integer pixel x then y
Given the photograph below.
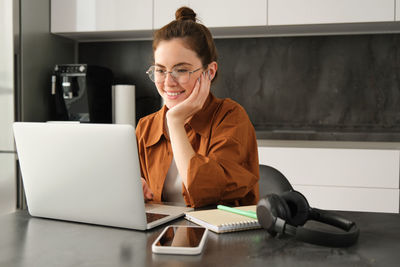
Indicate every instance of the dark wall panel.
{"type": "Point", "coordinates": [128, 62]}
{"type": "Point", "coordinates": [322, 87]}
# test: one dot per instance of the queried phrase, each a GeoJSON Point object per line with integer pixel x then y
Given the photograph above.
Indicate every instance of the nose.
{"type": "Point", "coordinates": [169, 79]}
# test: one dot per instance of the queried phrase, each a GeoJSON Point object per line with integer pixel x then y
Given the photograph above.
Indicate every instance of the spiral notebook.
{"type": "Point", "coordinates": [221, 221]}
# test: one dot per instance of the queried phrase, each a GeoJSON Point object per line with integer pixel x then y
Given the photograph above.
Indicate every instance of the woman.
{"type": "Point", "coordinates": [198, 150]}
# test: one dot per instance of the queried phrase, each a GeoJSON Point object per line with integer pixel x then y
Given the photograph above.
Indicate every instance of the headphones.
{"type": "Point", "coordinates": [286, 213]}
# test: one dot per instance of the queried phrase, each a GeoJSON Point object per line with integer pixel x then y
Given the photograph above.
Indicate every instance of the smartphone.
{"type": "Point", "coordinates": [179, 239]}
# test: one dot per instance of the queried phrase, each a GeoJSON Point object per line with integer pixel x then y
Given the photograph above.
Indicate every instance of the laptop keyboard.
{"type": "Point", "coordinates": [151, 217]}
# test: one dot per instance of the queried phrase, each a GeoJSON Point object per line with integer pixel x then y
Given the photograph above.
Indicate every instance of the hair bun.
{"type": "Point", "coordinates": [185, 13]}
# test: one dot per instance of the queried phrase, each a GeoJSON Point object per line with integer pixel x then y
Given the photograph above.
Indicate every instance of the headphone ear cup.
{"type": "Point", "coordinates": [269, 209]}
{"type": "Point", "coordinates": [298, 207]}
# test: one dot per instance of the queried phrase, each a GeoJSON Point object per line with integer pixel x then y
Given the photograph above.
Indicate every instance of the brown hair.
{"type": "Point", "coordinates": [196, 36]}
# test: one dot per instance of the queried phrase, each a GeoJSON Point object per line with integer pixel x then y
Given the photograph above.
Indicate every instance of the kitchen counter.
{"type": "Point", "coordinates": [328, 144]}
{"type": "Point", "coordinates": [29, 241]}
{"type": "Point", "coordinates": [362, 138]}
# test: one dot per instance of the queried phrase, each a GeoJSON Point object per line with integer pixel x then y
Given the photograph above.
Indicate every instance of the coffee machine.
{"type": "Point", "coordinates": [81, 92]}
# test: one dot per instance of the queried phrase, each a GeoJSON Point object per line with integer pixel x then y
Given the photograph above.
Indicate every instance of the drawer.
{"type": "Point", "coordinates": [371, 168]}
{"type": "Point", "coordinates": [351, 198]}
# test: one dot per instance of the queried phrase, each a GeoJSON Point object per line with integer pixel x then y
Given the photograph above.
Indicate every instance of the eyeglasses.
{"type": "Point", "coordinates": [179, 74]}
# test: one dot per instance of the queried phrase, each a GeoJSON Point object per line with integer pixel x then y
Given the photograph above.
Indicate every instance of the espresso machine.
{"type": "Point", "coordinates": [81, 92]}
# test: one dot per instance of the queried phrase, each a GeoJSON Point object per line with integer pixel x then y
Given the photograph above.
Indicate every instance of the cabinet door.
{"type": "Point", "coordinates": [351, 198]}
{"type": "Point", "coordinates": [335, 167]}
{"type": "Point", "coordinates": [164, 11]}
{"type": "Point", "coordinates": [6, 119]}
{"type": "Point", "coordinates": [340, 179]}
{"type": "Point", "coordinates": [101, 15]}
{"type": "Point", "coordinates": [7, 183]}
{"type": "Point", "coordinates": [295, 12]}
{"type": "Point", "coordinates": [6, 77]}
{"type": "Point", "coordinates": [230, 13]}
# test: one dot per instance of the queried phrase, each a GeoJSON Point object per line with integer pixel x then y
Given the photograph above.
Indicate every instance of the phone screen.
{"type": "Point", "coordinates": [176, 236]}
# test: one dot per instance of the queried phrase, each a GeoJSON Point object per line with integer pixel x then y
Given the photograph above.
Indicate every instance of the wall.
{"type": "Point", "coordinates": [129, 62]}
{"type": "Point", "coordinates": [39, 53]}
{"type": "Point", "coordinates": [310, 88]}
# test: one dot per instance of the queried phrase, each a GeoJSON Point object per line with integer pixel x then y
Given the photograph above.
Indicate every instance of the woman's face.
{"type": "Point", "coordinates": [174, 55]}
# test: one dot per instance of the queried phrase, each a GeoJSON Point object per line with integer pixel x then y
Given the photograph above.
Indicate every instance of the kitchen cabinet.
{"type": "Point", "coordinates": [7, 183]}
{"type": "Point", "coordinates": [338, 178]}
{"type": "Point", "coordinates": [231, 13]}
{"type": "Point", "coordinates": [6, 103]}
{"type": "Point", "coordinates": [164, 11]}
{"type": "Point", "coordinates": [300, 12]}
{"type": "Point", "coordinates": [96, 20]}
{"type": "Point", "coordinates": [214, 13]}
{"type": "Point", "coordinates": [7, 151]}
{"type": "Point", "coordinates": [101, 15]}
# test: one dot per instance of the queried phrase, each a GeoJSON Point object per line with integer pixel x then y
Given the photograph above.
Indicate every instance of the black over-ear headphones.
{"type": "Point", "coordinates": [287, 212]}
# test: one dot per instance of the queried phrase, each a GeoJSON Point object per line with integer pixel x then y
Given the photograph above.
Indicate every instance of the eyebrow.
{"type": "Point", "coordinates": [176, 65]}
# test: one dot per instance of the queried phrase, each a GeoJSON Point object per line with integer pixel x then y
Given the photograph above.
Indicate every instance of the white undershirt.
{"type": "Point", "coordinates": [172, 191]}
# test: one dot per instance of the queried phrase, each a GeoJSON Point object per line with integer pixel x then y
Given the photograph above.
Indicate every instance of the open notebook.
{"type": "Point", "coordinates": [221, 221]}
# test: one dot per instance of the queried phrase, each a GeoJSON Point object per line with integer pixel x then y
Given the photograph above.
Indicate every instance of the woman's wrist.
{"type": "Point", "coordinates": [174, 121]}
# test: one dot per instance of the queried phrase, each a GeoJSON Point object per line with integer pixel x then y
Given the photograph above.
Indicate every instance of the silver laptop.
{"type": "Point", "coordinates": [86, 173]}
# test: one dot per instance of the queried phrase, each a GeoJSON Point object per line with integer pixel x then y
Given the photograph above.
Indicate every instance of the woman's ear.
{"type": "Point", "coordinates": [212, 69]}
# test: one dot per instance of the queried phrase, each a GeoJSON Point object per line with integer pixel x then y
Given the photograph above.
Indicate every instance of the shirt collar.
{"type": "Point", "coordinates": [157, 127]}
{"type": "Point", "coordinates": [199, 122]}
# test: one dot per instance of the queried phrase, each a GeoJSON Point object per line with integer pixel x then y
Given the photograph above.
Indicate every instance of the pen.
{"type": "Point", "coordinates": [251, 214]}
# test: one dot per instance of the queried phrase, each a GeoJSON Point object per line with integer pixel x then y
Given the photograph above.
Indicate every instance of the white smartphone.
{"type": "Point", "coordinates": [179, 239]}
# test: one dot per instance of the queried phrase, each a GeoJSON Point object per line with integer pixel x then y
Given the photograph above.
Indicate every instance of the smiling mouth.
{"type": "Point", "coordinates": [174, 93]}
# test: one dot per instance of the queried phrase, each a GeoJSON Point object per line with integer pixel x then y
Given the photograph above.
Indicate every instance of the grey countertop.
{"type": "Point", "coordinates": [29, 241]}
{"type": "Point", "coordinates": [328, 144]}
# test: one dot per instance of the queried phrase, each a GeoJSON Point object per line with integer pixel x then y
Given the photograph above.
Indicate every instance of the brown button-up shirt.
{"type": "Point", "coordinates": [225, 168]}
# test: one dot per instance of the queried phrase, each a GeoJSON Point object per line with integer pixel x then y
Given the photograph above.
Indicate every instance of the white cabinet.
{"type": "Point", "coordinates": [164, 11]}
{"type": "Point", "coordinates": [297, 12]}
{"type": "Point", "coordinates": [101, 15]}
{"type": "Point", "coordinates": [6, 100]}
{"type": "Point", "coordinates": [7, 155]}
{"type": "Point", "coordinates": [136, 19]}
{"type": "Point", "coordinates": [214, 13]}
{"type": "Point", "coordinates": [7, 183]}
{"type": "Point", "coordinates": [340, 179]}
{"type": "Point", "coordinates": [6, 77]}
{"type": "Point", "coordinates": [231, 13]}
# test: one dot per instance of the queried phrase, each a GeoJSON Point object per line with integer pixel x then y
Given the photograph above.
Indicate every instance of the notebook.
{"type": "Point", "coordinates": [86, 173]}
{"type": "Point", "coordinates": [221, 221]}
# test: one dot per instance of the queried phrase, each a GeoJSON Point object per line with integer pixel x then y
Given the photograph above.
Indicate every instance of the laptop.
{"type": "Point", "coordinates": [86, 173]}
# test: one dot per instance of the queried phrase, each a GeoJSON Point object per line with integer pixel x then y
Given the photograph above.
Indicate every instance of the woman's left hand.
{"type": "Point", "coordinates": [183, 111]}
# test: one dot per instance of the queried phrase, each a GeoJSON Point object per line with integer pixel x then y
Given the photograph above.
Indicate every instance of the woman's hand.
{"type": "Point", "coordinates": [147, 193]}
{"type": "Point", "coordinates": [176, 118]}
{"type": "Point", "coordinates": [183, 111]}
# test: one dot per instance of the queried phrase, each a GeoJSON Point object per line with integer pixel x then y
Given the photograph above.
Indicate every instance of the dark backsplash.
{"type": "Point", "coordinates": [309, 88]}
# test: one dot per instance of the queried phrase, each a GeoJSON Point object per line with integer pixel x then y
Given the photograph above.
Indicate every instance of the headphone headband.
{"type": "Point", "coordinates": [330, 218]}
{"type": "Point", "coordinates": [318, 237]}
{"type": "Point", "coordinates": [323, 238]}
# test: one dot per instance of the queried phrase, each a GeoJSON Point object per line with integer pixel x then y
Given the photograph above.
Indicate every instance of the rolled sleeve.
{"type": "Point", "coordinates": [228, 173]}
{"type": "Point", "coordinates": [206, 181]}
